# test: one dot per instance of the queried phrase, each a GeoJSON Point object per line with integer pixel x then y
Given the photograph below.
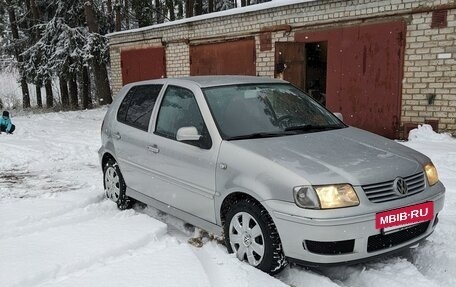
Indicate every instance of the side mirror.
{"type": "Point", "coordinates": [339, 116]}
{"type": "Point", "coordinates": [188, 134]}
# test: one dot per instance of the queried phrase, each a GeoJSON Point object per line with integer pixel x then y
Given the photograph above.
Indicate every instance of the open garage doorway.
{"type": "Point", "coordinates": [316, 67]}
{"type": "Point", "coordinates": [304, 65]}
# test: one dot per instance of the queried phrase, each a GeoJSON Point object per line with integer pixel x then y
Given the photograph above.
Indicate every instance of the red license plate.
{"type": "Point", "coordinates": [405, 215]}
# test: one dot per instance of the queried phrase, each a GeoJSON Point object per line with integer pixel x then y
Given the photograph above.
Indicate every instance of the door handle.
{"type": "Point", "coordinates": [153, 148]}
{"type": "Point", "coordinates": [116, 136]}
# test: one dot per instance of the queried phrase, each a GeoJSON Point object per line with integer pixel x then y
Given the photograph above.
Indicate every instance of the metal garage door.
{"type": "Point", "coordinates": [364, 73]}
{"type": "Point", "coordinates": [228, 58]}
{"type": "Point", "coordinates": [143, 64]}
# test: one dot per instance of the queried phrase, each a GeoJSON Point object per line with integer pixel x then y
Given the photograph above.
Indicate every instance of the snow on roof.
{"type": "Point", "coordinates": [234, 11]}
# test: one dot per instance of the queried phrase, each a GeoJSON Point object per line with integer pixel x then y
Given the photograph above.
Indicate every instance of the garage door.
{"type": "Point", "coordinates": [364, 73]}
{"type": "Point", "coordinates": [143, 64]}
{"type": "Point", "coordinates": [227, 58]}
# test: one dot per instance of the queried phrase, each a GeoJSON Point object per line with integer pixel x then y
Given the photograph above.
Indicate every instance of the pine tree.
{"type": "Point", "coordinates": [143, 12]}
{"type": "Point", "coordinates": [66, 47]}
{"type": "Point", "coordinates": [16, 45]}
{"type": "Point", "coordinates": [97, 49]}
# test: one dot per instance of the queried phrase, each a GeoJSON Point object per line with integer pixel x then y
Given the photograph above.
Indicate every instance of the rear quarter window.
{"type": "Point", "coordinates": [136, 107]}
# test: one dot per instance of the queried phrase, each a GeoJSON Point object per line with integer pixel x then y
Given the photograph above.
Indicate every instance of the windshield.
{"type": "Point", "coordinates": [266, 110]}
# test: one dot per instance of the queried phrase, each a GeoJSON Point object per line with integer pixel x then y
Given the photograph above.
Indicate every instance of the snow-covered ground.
{"type": "Point", "coordinates": [58, 230]}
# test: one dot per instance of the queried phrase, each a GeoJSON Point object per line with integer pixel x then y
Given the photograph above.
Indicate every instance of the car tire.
{"type": "Point", "coordinates": [114, 185]}
{"type": "Point", "coordinates": [259, 234]}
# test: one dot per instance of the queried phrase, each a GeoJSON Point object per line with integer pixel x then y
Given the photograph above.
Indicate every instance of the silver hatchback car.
{"type": "Point", "coordinates": [259, 161]}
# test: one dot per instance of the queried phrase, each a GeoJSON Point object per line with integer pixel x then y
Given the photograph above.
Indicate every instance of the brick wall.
{"type": "Point", "coordinates": [424, 73]}
{"type": "Point", "coordinates": [428, 74]}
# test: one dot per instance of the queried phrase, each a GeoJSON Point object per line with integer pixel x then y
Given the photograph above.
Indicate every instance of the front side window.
{"type": "Point", "coordinates": [179, 109]}
{"type": "Point", "coordinates": [136, 108]}
{"type": "Point", "coordinates": [266, 110]}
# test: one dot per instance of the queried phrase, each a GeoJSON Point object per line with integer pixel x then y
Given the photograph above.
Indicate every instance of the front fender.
{"type": "Point", "coordinates": [257, 191]}
{"type": "Point", "coordinates": [257, 176]}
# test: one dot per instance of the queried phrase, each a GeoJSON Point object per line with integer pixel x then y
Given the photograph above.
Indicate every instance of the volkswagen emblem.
{"type": "Point", "coordinates": [400, 186]}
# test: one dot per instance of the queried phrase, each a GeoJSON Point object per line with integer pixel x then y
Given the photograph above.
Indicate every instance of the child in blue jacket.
{"type": "Point", "coordinates": [5, 123]}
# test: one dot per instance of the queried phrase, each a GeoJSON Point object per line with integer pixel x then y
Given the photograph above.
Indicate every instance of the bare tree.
{"type": "Point", "coordinates": [118, 11]}
{"type": "Point", "coordinates": [49, 93]}
{"type": "Point", "coordinates": [159, 17]}
{"type": "Point", "coordinates": [73, 89]}
{"type": "Point", "coordinates": [64, 93]}
{"type": "Point", "coordinates": [198, 7]}
{"type": "Point", "coordinates": [126, 14]}
{"type": "Point", "coordinates": [211, 6]}
{"type": "Point", "coordinates": [189, 4]}
{"type": "Point", "coordinates": [36, 18]}
{"type": "Point", "coordinates": [17, 52]}
{"type": "Point", "coordinates": [100, 72]}
{"type": "Point", "coordinates": [39, 101]}
{"type": "Point", "coordinates": [86, 99]}
{"type": "Point", "coordinates": [170, 7]}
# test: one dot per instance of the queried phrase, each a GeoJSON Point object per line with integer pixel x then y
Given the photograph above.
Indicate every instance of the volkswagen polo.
{"type": "Point", "coordinates": [265, 165]}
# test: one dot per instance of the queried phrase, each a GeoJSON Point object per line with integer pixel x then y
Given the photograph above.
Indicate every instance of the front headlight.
{"type": "Point", "coordinates": [431, 173]}
{"type": "Point", "coordinates": [325, 197]}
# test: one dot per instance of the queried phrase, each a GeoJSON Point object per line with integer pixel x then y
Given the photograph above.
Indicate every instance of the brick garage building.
{"type": "Point", "coordinates": [386, 65]}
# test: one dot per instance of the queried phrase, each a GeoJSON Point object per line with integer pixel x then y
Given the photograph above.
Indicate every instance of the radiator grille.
{"type": "Point", "coordinates": [384, 191]}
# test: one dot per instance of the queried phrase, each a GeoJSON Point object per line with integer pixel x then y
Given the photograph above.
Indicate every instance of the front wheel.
{"type": "Point", "coordinates": [114, 185]}
{"type": "Point", "coordinates": [251, 234]}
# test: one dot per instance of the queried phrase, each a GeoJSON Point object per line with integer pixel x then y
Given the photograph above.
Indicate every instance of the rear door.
{"type": "Point", "coordinates": [131, 134]}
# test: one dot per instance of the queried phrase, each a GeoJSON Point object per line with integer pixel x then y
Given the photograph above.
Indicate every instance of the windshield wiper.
{"type": "Point", "coordinates": [257, 136]}
{"type": "Point", "coordinates": [313, 128]}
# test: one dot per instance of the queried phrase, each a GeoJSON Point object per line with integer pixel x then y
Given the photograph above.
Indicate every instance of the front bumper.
{"type": "Point", "coordinates": [350, 233]}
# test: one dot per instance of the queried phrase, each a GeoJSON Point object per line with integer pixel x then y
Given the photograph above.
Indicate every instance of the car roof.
{"type": "Point", "coordinates": [212, 81]}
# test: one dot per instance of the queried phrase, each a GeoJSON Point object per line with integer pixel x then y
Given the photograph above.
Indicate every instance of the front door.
{"type": "Point", "coordinates": [184, 172]}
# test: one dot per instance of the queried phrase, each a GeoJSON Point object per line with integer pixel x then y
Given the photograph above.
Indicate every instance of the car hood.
{"type": "Point", "coordinates": [346, 155]}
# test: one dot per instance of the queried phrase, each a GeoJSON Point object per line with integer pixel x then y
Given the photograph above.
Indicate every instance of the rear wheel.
{"type": "Point", "coordinates": [114, 185]}
{"type": "Point", "coordinates": [251, 234]}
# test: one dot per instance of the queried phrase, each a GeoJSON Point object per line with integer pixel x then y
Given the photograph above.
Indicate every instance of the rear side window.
{"type": "Point", "coordinates": [136, 108]}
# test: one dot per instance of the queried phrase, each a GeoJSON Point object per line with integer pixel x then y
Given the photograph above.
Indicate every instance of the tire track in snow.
{"type": "Point", "coordinates": [221, 269]}
{"type": "Point", "coordinates": [165, 262]}
{"type": "Point", "coordinates": [39, 257]}
{"type": "Point", "coordinates": [75, 216]}
{"type": "Point", "coordinates": [394, 271]}
{"type": "Point", "coordinates": [49, 206]}
{"type": "Point", "coordinates": [225, 270]}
